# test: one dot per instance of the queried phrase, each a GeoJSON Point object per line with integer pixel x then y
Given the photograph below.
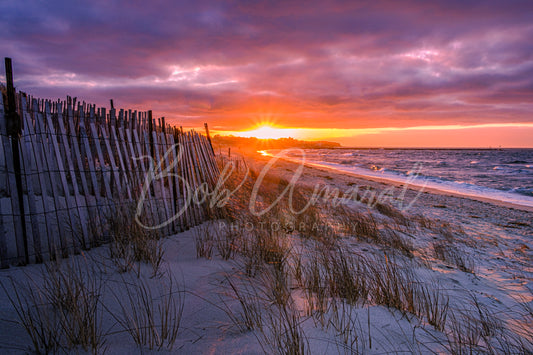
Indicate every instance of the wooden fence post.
{"type": "Point", "coordinates": [209, 137]}
{"type": "Point", "coordinates": [13, 125]}
{"type": "Point", "coordinates": [150, 137]}
{"type": "Point", "coordinates": [4, 147]}
{"type": "Point", "coordinates": [49, 148]}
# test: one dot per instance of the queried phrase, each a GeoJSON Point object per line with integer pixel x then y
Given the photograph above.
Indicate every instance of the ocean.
{"type": "Point", "coordinates": [499, 174]}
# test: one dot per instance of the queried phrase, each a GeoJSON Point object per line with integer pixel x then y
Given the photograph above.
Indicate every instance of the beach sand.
{"type": "Point", "coordinates": [498, 236]}
{"type": "Point", "coordinates": [488, 271]}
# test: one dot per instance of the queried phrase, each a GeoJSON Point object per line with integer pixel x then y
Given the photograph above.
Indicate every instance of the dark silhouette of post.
{"type": "Point", "coordinates": [209, 137]}
{"type": "Point", "coordinates": [151, 137]}
{"type": "Point", "coordinates": [14, 129]}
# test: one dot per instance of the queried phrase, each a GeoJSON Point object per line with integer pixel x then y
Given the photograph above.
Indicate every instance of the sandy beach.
{"type": "Point", "coordinates": [345, 276]}
{"type": "Point", "coordinates": [144, 208]}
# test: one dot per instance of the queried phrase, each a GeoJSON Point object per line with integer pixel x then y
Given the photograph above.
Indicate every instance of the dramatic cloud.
{"type": "Point", "coordinates": [352, 64]}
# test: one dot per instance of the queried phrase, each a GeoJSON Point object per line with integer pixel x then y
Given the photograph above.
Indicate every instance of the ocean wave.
{"type": "Point", "coordinates": [485, 174]}
{"type": "Point", "coordinates": [523, 191]}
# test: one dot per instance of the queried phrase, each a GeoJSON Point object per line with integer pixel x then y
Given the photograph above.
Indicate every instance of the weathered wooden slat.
{"type": "Point", "coordinates": [207, 168]}
{"type": "Point", "coordinates": [209, 174]}
{"type": "Point", "coordinates": [101, 161]}
{"type": "Point", "coordinates": [15, 207]}
{"type": "Point", "coordinates": [89, 155]}
{"type": "Point", "coordinates": [71, 242]}
{"type": "Point", "coordinates": [84, 138]}
{"type": "Point", "coordinates": [211, 158]}
{"type": "Point", "coordinates": [3, 166]}
{"type": "Point", "coordinates": [150, 169]}
{"type": "Point", "coordinates": [211, 166]}
{"type": "Point", "coordinates": [89, 214]}
{"type": "Point", "coordinates": [112, 164]}
{"type": "Point", "coordinates": [50, 170]}
{"type": "Point", "coordinates": [129, 173]}
{"type": "Point", "coordinates": [136, 174]}
{"type": "Point", "coordinates": [163, 164]}
{"type": "Point", "coordinates": [206, 156]}
{"type": "Point", "coordinates": [185, 185]}
{"type": "Point", "coordinates": [169, 162]}
{"type": "Point", "coordinates": [80, 222]}
{"type": "Point", "coordinates": [122, 174]}
{"type": "Point", "coordinates": [144, 170]}
{"type": "Point", "coordinates": [132, 164]}
{"type": "Point", "coordinates": [35, 251]}
{"type": "Point", "coordinates": [169, 205]}
{"type": "Point", "coordinates": [196, 175]}
{"type": "Point", "coordinates": [188, 168]}
{"type": "Point", "coordinates": [4, 216]}
{"type": "Point", "coordinates": [49, 216]}
{"type": "Point", "coordinates": [193, 166]}
{"type": "Point", "coordinates": [155, 186]}
{"type": "Point", "coordinates": [178, 202]}
{"type": "Point", "coordinates": [48, 210]}
{"type": "Point", "coordinates": [182, 183]}
{"type": "Point", "coordinates": [187, 188]}
{"type": "Point", "coordinates": [201, 175]}
{"type": "Point", "coordinates": [63, 154]}
{"type": "Point", "coordinates": [208, 177]}
{"type": "Point", "coordinates": [3, 245]}
{"type": "Point", "coordinates": [6, 220]}
{"type": "Point", "coordinates": [13, 130]}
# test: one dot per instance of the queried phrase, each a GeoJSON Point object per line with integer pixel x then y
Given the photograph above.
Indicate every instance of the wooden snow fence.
{"type": "Point", "coordinates": [79, 165]}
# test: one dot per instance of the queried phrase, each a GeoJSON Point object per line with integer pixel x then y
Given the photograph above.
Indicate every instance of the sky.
{"type": "Point", "coordinates": [363, 73]}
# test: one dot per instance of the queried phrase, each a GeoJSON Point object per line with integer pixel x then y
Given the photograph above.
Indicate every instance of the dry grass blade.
{"type": "Point", "coordinates": [38, 317]}
{"type": "Point", "coordinates": [204, 241]}
{"type": "Point", "coordinates": [285, 334]}
{"type": "Point", "coordinates": [151, 320]}
{"type": "Point", "coordinates": [62, 310]}
{"type": "Point", "coordinates": [434, 305]}
{"type": "Point", "coordinates": [131, 243]}
{"type": "Point", "coordinates": [75, 292]}
{"type": "Point", "coordinates": [250, 316]}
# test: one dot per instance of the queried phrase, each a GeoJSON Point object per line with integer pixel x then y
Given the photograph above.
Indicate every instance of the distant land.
{"type": "Point", "coordinates": [279, 143]}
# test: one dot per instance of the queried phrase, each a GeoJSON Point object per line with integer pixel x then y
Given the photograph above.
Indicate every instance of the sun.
{"type": "Point", "coordinates": [266, 131]}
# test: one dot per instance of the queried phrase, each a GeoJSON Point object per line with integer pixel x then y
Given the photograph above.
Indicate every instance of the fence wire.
{"type": "Point", "coordinates": [79, 166]}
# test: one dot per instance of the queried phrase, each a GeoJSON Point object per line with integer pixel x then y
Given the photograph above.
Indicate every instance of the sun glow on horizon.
{"type": "Point", "coordinates": [267, 131]}
{"type": "Point", "coordinates": [473, 135]}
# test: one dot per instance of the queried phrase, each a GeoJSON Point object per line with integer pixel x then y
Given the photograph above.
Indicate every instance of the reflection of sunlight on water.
{"type": "Point", "coordinates": [264, 153]}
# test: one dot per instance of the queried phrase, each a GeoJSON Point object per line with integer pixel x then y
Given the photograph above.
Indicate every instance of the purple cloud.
{"type": "Point", "coordinates": [311, 64]}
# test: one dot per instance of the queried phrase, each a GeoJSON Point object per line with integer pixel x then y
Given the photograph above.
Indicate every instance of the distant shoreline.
{"type": "Point", "coordinates": [419, 148]}
{"type": "Point", "coordinates": [431, 190]}
{"type": "Point", "coordinates": [427, 189]}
